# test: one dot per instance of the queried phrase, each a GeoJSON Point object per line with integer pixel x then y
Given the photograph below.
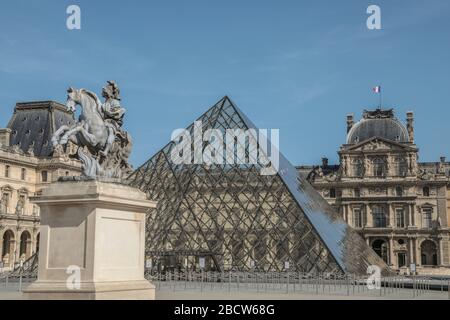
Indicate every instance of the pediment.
{"type": "Point", "coordinates": [379, 144]}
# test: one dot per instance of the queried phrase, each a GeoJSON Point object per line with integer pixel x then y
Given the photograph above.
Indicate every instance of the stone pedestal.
{"type": "Point", "coordinates": [92, 242]}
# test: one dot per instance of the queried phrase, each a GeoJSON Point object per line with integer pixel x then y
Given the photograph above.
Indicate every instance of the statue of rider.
{"type": "Point", "coordinates": [113, 114]}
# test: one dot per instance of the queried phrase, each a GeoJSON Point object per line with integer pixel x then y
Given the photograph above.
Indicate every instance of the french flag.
{"type": "Point", "coordinates": [377, 89]}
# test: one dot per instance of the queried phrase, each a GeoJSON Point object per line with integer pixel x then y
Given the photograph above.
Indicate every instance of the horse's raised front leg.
{"type": "Point", "coordinates": [90, 138]}
{"type": "Point", "coordinates": [56, 136]}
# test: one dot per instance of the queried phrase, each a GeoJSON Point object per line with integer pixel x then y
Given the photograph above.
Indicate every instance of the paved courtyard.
{"type": "Point", "coordinates": [207, 292]}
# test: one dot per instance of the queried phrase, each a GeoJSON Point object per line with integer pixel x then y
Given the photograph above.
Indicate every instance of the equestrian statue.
{"type": "Point", "coordinates": [103, 146]}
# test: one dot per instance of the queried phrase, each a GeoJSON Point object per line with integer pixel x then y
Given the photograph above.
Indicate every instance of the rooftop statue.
{"type": "Point", "coordinates": [103, 146]}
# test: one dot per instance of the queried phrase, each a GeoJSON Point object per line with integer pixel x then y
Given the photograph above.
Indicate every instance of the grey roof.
{"type": "Point", "coordinates": [33, 124]}
{"type": "Point", "coordinates": [378, 123]}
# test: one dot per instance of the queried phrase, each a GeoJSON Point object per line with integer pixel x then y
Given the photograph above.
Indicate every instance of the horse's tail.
{"type": "Point", "coordinates": [91, 167]}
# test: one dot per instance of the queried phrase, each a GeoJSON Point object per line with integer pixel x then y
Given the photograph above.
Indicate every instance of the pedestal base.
{"type": "Point", "coordinates": [129, 290]}
{"type": "Point", "coordinates": [92, 243]}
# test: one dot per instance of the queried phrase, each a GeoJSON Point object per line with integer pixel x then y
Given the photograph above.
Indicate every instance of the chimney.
{"type": "Point", "coordinates": [410, 125]}
{"type": "Point", "coordinates": [5, 135]}
{"type": "Point", "coordinates": [350, 122]}
{"type": "Point", "coordinates": [324, 162]}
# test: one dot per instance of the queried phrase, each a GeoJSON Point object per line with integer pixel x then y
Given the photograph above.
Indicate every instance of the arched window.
{"type": "Point", "coordinates": [25, 244]}
{"type": "Point", "coordinates": [428, 253]}
{"type": "Point", "coordinates": [8, 246]}
{"type": "Point", "coordinates": [426, 191]}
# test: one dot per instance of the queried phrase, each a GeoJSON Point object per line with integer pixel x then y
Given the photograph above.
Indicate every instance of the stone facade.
{"type": "Point", "coordinates": [399, 205]}
{"type": "Point", "coordinates": [27, 164]}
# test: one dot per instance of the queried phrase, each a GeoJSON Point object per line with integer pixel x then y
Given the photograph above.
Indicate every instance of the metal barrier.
{"type": "Point", "coordinates": [301, 283]}
{"type": "Point", "coordinates": [274, 282]}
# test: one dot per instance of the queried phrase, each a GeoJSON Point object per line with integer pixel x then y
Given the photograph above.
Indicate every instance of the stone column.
{"type": "Point", "coordinates": [366, 207]}
{"type": "Point", "coordinates": [440, 253]}
{"type": "Point", "coordinates": [92, 242]}
{"type": "Point", "coordinates": [14, 253]}
{"type": "Point", "coordinates": [348, 215]}
{"type": "Point", "coordinates": [391, 251]}
{"type": "Point", "coordinates": [411, 214]}
{"type": "Point", "coordinates": [411, 251]}
{"type": "Point", "coordinates": [1, 248]}
{"type": "Point", "coordinates": [417, 252]}
{"type": "Point", "coordinates": [390, 207]}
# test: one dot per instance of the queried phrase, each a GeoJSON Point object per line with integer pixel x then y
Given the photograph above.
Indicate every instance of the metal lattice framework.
{"type": "Point", "coordinates": [239, 219]}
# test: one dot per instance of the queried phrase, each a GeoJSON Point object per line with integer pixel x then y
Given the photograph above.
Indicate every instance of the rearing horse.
{"type": "Point", "coordinates": [91, 130]}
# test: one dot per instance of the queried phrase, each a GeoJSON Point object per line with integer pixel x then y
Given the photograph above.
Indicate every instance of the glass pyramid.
{"type": "Point", "coordinates": [238, 219]}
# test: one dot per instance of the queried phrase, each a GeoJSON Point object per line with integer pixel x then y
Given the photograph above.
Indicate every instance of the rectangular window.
{"type": "Point", "coordinates": [44, 175]}
{"type": "Point", "coordinates": [379, 217]}
{"type": "Point", "coordinates": [378, 167]}
{"type": "Point", "coordinates": [332, 193]}
{"type": "Point", "coordinates": [7, 168]}
{"type": "Point", "coordinates": [400, 217]}
{"type": "Point", "coordinates": [358, 220]}
{"type": "Point", "coordinates": [426, 217]}
{"type": "Point", "coordinates": [401, 259]}
{"type": "Point", "coordinates": [23, 174]}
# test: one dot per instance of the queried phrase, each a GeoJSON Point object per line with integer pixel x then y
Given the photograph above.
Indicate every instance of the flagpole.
{"type": "Point", "coordinates": [381, 95]}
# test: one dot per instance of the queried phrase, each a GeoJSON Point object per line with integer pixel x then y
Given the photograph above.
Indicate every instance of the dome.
{"type": "Point", "coordinates": [378, 123]}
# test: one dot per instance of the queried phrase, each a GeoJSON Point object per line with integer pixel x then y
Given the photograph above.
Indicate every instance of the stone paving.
{"type": "Point", "coordinates": [198, 291]}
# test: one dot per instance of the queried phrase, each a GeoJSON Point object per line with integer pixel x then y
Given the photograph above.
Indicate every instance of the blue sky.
{"type": "Point", "coordinates": [300, 66]}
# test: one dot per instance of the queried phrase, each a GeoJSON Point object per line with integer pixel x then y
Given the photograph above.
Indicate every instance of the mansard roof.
{"type": "Point", "coordinates": [33, 124]}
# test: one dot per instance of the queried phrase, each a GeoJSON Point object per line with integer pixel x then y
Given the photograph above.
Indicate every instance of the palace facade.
{"type": "Point", "coordinates": [27, 163]}
{"type": "Point", "coordinates": [398, 205]}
